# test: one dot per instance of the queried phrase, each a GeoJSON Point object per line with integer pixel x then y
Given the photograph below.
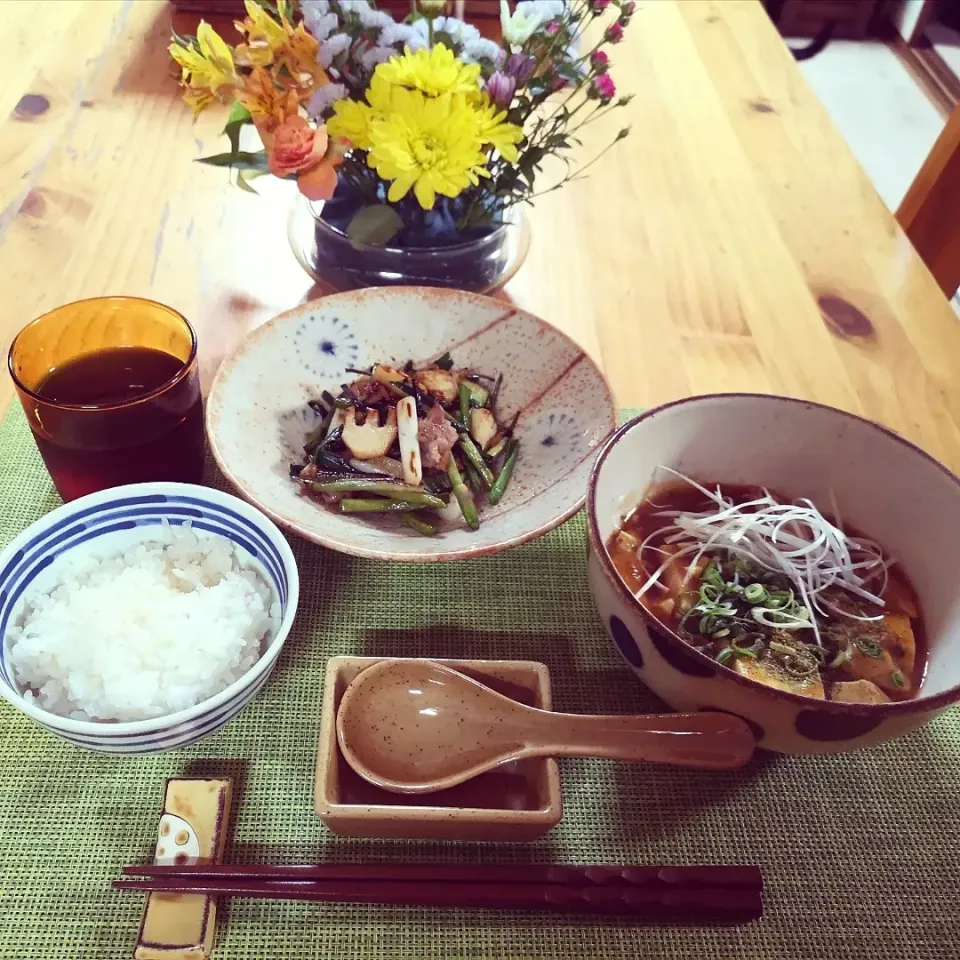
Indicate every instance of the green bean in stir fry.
{"type": "Point", "coordinates": [410, 441]}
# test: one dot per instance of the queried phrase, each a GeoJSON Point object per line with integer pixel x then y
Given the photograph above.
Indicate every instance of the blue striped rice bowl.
{"type": "Point", "coordinates": [118, 511]}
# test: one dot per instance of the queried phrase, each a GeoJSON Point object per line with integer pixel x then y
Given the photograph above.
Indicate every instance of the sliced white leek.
{"type": "Point", "coordinates": [407, 433]}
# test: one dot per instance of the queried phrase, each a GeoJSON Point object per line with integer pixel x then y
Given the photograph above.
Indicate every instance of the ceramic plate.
{"type": "Point", "coordinates": [257, 413]}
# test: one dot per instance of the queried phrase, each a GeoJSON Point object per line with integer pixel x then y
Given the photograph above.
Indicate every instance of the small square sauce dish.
{"type": "Point", "coordinates": [516, 802]}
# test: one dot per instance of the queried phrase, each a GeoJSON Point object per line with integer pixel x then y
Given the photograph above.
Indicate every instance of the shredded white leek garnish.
{"type": "Point", "coordinates": [794, 540]}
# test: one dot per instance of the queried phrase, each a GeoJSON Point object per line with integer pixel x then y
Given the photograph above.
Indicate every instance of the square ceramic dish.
{"type": "Point", "coordinates": [518, 801]}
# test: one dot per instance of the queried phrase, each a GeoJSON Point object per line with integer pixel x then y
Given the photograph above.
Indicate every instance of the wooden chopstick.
{"type": "Point", "coordinates": [681, 894]}
{"type": "Point", "coordinates": [663, 903]}
{"type": "Point", "coordinates": [718, 875]}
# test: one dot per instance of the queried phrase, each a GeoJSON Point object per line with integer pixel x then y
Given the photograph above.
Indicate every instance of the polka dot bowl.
{"type": "Point", "coordinates": [104, 523]}
{"type": "Point", "coordinates": [884, 486]}
{"type": "Point", "coordinates": [257, 413]}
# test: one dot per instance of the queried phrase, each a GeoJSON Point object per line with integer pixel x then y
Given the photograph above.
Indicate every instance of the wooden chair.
{"type": "Point", "coordinates": [930, 212]}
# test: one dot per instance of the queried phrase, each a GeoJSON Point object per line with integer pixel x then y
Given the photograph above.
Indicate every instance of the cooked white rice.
{"type": "Point", "coordinates": [145, 631]}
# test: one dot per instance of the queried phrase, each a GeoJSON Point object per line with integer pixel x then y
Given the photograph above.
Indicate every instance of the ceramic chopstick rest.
{"type": "Point", "coordinates": [192, 829]}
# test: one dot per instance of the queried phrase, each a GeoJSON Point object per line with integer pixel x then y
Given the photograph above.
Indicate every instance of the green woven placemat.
{"type": "Point", "coordinates": [859, 851]}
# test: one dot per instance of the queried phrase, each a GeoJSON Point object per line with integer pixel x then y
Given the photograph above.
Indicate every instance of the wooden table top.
{"type": "Point", "coordinates": [731, 242]}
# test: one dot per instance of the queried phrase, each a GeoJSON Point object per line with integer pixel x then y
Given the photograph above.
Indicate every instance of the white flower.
{"type": "Point", "coordinates": [482, 49]}
{"type": "Point", "coordinates": [370, 58]}
{"type": "Point", "coordinates": [374, 19]}
{"type": "Point", "coordinates": [546, 10]}
{"type": "Point", "coordinates": [573, 56]}
{"type": "Point", "coordinates": [359, 7]}
{"type": "Point", "coordinates": [314, 9]}
{"type": "Point", "coordinates": [457, 30]}
{"type": "Point", "coordinates": [322, 26]}
{"type": "Point", "coordinates": [324, 98]}
{"type": "Point", "coordinates": [404, 34]}
{"type": "Point", "coordinates": [519, 27]}
{"type": "Point", "coordinates": [331, 48]}
{"type": "Point", "coordinates": [396, 33]}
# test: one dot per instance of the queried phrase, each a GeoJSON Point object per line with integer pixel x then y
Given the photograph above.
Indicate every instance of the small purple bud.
{"type": "Point", "coordinates": [521, 68]}
{"type": "Point", "coordinates": [501, 88]}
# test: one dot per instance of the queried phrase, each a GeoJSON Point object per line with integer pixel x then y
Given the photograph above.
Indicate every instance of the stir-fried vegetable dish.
{"type": "Point", "coordinates": [773, 590]}
{"type": "Point", "coordinates": [410, 441]}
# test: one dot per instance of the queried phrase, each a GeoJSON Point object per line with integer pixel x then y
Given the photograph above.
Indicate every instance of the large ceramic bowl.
{"type": "Point", "coordinates": [884, 487]}
{"type": "Point", "coordinates": [257, 413]}
{"type": "Point", "coordinates": [120, 517]}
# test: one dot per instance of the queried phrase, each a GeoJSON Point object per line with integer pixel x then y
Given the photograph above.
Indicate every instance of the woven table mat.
{"type": "Point", "coordinates": [860, 852]}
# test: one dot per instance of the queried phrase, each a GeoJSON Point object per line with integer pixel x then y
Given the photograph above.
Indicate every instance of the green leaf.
{"type": "Point", "coordinates": [441, 36]}
{"type": "Point", "coordinates": [239, 115]}
{"type": "Point", "coordinates": [374, 225]}
{"type": "Point", "coordinates": [241, 159]}
{"type": "Point", "coordinates": [243, 179]}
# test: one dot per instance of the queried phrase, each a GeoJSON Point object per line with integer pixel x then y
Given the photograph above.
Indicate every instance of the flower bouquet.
{"type": "Point", "coordinates": [413, 143]}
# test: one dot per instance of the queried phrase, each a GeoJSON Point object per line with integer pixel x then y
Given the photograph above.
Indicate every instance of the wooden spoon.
{"type": "Point", "coordinates": [414, 726]}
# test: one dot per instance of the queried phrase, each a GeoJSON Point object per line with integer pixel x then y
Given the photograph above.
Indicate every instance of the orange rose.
{"type": "Point", "coordinates": [319, 182]}
{"type": "Point", "coordinates": [296, 147]}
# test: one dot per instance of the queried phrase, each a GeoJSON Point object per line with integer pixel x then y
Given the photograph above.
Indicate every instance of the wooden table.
{"type": "Point", "coordinates": [730, 243]}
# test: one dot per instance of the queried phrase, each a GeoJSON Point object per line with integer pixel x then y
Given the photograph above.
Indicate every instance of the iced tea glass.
{"type": "Point", "coordinates": [111, 391]}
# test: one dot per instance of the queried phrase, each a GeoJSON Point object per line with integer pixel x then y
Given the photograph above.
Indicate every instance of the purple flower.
{"type": "Point", "coordinates": [370, 58]}
{"type": "Point", "coordinates": [331, 48]}
{"type": "Point", "coordinates": [603, 88]}
{"type": "Point", "coordinates": [614, 33]}
{"type": "Point", "coordinates": [552, 28]}
{"type": "Point", "coordinates": [599, 61]}
{"type": "Point", "coordinates": [598, 6]}
{"type": "Point", "coordinates": [627, 10]}
{"type": "Point", "coordinates": [324, 97]}
{"type": "Point", "coordinates": [521, 68]}
{"type": "Point", "coordinates": [501, 88]}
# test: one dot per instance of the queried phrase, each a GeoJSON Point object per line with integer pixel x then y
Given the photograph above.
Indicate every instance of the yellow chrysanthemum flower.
{"type": "Point", "coordinates": [433, 71]}
{"type": "Point", "coordinates": [353, 119]}
{"type": "Point", "coordinates": [495, 131]}
{"type": "Point", "coordinates": [428, 144]}
{"type": "Point", "coordinates": [206, 68]}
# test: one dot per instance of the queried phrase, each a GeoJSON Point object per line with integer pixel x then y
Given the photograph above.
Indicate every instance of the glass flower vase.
{"type": "Point", "coordinates": [481, 264]}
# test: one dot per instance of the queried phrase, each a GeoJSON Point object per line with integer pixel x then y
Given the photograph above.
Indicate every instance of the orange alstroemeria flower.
{"type": "Point", "coordinates": [268, 104]}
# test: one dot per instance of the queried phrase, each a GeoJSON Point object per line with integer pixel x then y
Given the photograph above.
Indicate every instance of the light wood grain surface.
{"type": "Point", "coordinates": [730, 243]}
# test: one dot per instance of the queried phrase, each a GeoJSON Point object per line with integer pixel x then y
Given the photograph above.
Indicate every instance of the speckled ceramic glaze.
{"type": "Point", "coordinates": [417, 726]}
{"type": "Point", "coordinates": [884, 486]}
{"type": "Point", "coordinates": [515, 802]}
{"type": "Point", "coordinates": [257, 413]}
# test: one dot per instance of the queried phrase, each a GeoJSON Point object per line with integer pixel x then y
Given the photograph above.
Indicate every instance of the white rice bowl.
{"type": "Point", "coordinates": [145, 631]}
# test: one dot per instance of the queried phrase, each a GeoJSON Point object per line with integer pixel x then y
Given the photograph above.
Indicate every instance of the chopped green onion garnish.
{"type": "Point", "coordinates": [755, 593]}
{"type": "Point", "coordinates": [725, 656]}
{"type": "Point", "coordinates": [869, 647]}
{"type": "Point", "coordinates": [841, 658]}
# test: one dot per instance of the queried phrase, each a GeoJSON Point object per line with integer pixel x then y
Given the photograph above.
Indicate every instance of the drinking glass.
{"type": "Point", "coordinates": [111, 391]}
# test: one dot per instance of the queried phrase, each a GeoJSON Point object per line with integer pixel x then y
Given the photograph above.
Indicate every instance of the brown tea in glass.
{"type": "Point", "coordinates": [111, 391]}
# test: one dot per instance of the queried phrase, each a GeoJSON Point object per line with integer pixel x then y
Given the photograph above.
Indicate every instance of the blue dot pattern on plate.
{"type": "Point", "coordinates": [555, 437]}
{"type": "Point", "coordinates": [325, 346]}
